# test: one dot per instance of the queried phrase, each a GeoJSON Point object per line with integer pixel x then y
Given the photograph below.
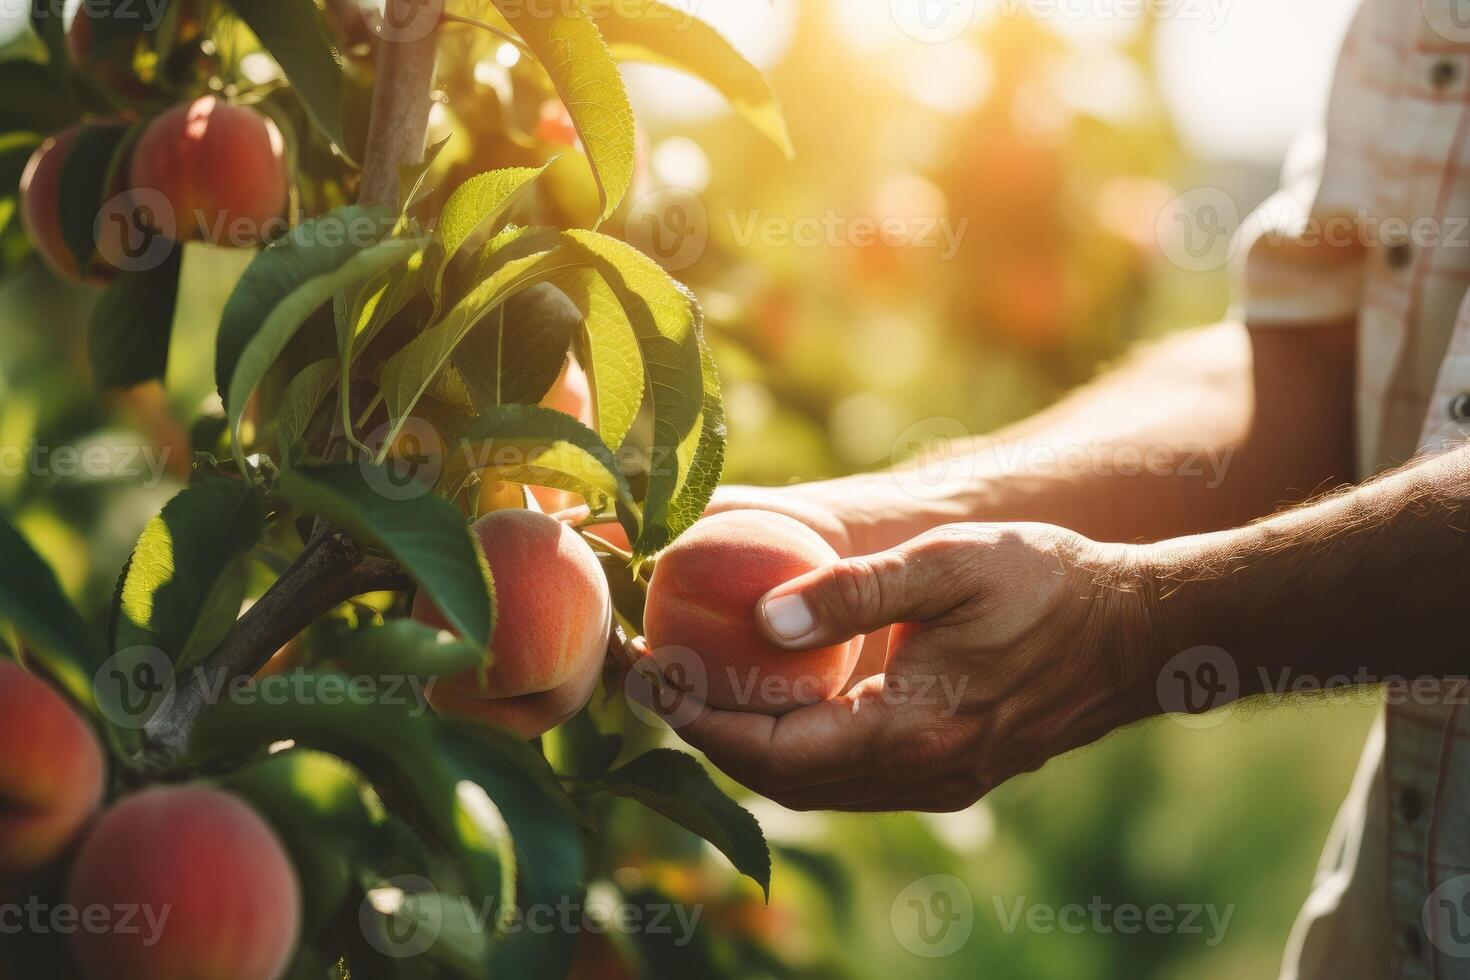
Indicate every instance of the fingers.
{"type": "Point", "coordinates": [820, 743]}
{"type": "Point", "coordinates": [919, 580]}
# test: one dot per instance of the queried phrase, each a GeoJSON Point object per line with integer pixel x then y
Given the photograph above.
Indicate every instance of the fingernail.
{"type": "Point", "coordinates": [788, 616]}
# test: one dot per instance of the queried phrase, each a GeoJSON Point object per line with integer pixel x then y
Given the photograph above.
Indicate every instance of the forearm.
{"type": "Point", "coordinates": [1202, 431]}
{"type": "Point", "coordinates": [1367, 585]}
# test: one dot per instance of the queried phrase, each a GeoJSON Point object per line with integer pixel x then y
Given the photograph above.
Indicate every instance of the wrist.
{"type": "Point", "coordinates": [1190, 617]}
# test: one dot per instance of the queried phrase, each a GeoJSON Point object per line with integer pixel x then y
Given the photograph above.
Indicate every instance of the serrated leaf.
{"type": "Point", "coordinates": [408, 374]}
{"type": "Point", "coordinates": [32, 601]}
{"type": "Point", "coordinates": [304, 394]}
{"type": "Point", "coordinates": [426, 534]}
{"type": "Point", "coordinates": [615, 373]}
{"type": "Point", "coordinates": [289, 281]}
{"type": "Point", "coordinates": [293, 34]}
{"type": "Point", "coordinates": [186, 578]}
{"type": "Point", "coordinates": [131, 325]}
{"type": "Point", "coordinates": [411, 176]}
{"type": "Point", "coordinates": [586, 78]}
{"type": "Point", "coordinates": [516, 354]}
{"type": "Point", "coordinates": [708, 463]}
{"type": "Point", "coordinates": [667, 322]}
{"type": "Point", "coordinates": [402, 647]}
{"type": "Point", "coordinates": [674, 784]}
{"type": "Point", "coordinates": [479, 205]}
{"type": "Point", "coordinates": [656, 34]}
{"type": "Point", "coordinates": [544, 447]}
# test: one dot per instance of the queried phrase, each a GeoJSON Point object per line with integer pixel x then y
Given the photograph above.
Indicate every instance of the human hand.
{"type": "Point", "coordinates": [1018, 643]}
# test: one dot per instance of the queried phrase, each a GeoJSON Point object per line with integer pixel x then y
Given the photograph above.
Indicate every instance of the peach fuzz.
{"type": "Point", "coordinates": [52, 772]}
{"type": "Point", "coordinates": [223, 897]}
{"type": "Point", "coordinates": [703, 597]}
{"type": "Point", "coordinates": [553, 619]}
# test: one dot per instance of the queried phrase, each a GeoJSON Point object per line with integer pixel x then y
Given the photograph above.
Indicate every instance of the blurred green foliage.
{"type": "Point", "coordinates": [1060, 165]}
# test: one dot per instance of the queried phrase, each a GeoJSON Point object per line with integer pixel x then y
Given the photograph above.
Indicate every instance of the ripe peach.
{"type": "Point", "coordinates": [216, 894]}
{"type": "Point", "coordinates": [703, 596]}
{"type": "Point", "coordinates": [220, 167]}
{"type": "Point", "coordinates": [554, 616]}
{"type": "Point", "coordinates": [51, 772]}
{"type": "Point", "coordinates": [40, 199]}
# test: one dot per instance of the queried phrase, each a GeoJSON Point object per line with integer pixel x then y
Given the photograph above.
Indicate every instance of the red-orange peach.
{"type": "Point", "coordinates": [553, 619]}
{"type": "Point", "coordinates": [51, 772]}
{"type": "Point", "coordinates": [40, 204]}
{"type": "Point", "coordinates": [703, 596]}
{"type": "Point", "coordinates": [215, 894]}
{"type": "Point", "coordinates": [220, 167]}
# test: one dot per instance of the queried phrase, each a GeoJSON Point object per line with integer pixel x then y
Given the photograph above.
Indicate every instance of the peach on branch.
{"type": "Point", "coordinates": [220, 168]}
{"type": "Point", "coordinates": [51, 772]}
{"type": "Point", "coordinates": [702, 603]}
{"type": "Point", "coordinates": [553, 617]}
{"type": "Point", "coordinates": [215, 895]}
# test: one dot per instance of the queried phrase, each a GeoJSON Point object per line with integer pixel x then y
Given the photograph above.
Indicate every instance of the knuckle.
{"type": "Point", "coordinates": [854, 588]}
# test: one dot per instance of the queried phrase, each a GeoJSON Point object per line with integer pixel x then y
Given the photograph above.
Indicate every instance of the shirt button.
{"type": "Point", "coordinates": [1411, 804]}
{"type": "Point", "coordinates": [1459, 407]}
{"type": "Point", "coordinates": [1399, 255]}
{"type": "Point", "coordinates": [1443, 74]}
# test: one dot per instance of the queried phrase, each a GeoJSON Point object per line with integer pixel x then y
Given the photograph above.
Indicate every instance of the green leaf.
{"type": "Point", "coordinates": [315, 803]}
{"type": "Point", "coordinates": [531, 444]}
{"type": "Point", "coordinates": [708, 462]}
{"type": "Point", "coordinates": [131, 325]}
{"type": "Point", "coordinates": [615, 373]}
{"type": "Point", "coordinates": [409, 373]}
{"type": "Point", "coordinates": [411, 176]}
{"type": "Point", "coordinates": [586, 77]}
{"type": "Point", "coordinates": [286, 283]}
{"type": "Point", "coordinates": [292, 32]}
{"type": "Point", "coordinates": [478, 206]}
{"type": "Point", "coordinates": [392, 742]}
{"type": "Point", "coordinates": [32, 601]}
{"type": "Point", "coordinates": [35, 99]}
{"type": "Point", "coordinates": [404, 647]}
{"type": "Point", "coordinates": [668, 324]}
{"type": "Point", "coordinates": [46, 21]}
{"type": "Point", "coordinates": [544, 827]}
{"type": "Point", "coordinates": [654, 33]}
{"type": "Point", "coordinates": [426, 534]}
{"type": "Point", "coordinates": [516, 355]}
{"type": "Point", "coordinates": [304, 394]}
{"type": "Point", "coordinates": [187, 576]}
{"type": "Point", "coordinates": [674, 784]}
{"type": "Point", "coordinates": [84, 186]}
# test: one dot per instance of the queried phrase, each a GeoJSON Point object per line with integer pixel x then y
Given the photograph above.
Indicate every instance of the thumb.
{"type": "Point", "coordinates": [911, 583]}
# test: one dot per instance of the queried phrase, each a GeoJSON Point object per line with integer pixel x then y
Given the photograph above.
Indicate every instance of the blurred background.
{"type": "Point", "coordinates": [1023, 157]}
